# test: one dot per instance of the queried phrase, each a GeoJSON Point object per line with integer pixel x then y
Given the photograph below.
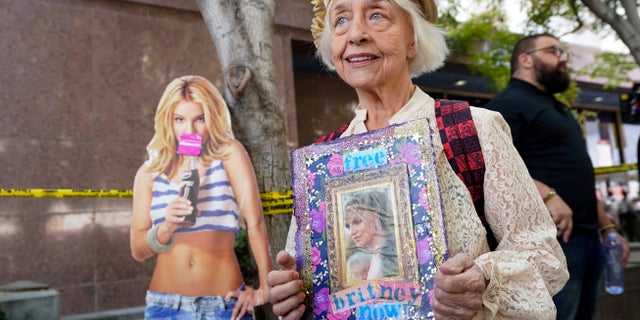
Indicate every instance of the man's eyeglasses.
{"type": "Point", "coordinates": [558, 51]}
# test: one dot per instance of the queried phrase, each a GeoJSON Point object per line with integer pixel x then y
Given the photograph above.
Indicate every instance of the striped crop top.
{"type": "Point", "coordinates": [216, 201]}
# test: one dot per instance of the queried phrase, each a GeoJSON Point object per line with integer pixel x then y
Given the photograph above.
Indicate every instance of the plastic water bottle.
{"type": "Point", "coordinates": [614, 273]}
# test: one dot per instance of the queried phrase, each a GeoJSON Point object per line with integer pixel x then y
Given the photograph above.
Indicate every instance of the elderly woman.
{"type": "Point", "coordinates": [377, 46]}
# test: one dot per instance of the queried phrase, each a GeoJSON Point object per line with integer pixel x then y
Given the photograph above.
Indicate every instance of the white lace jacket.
{"type": "Point", "coordinates": [528, 267]}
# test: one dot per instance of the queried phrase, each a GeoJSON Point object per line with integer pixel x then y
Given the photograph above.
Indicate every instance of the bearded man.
{"type": "Point", "coordinates": [550, 141]}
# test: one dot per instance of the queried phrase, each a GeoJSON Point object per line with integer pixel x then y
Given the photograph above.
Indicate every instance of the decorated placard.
{"type": "Point", "coordinates": [370, 231]}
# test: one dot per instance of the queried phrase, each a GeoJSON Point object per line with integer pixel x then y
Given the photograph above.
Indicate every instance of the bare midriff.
{"type": "Point", "coordinates": [200, 263]}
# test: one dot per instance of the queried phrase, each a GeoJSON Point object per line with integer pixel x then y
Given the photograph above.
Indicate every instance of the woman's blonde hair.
{"type": "Point", "coordinates": [380, 218]}
{"type": "Point", "coordinates": [163, 146]}
{"type": "Point", "coordinates": [373, 201]}
{"type": "Point", "coordinates": [431, 46]}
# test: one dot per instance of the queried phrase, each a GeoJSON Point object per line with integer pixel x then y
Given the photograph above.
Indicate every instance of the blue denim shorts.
{"type": "Point", "coordinates": [168, 306]}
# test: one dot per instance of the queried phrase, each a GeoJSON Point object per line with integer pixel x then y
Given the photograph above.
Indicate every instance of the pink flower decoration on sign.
{"type": "Point", "coordinates": [424, 250]}
{"type": "Point", "coordinates": [316, 259]}
{"type": "Point", "coordinates": [318, 220]}
{"type": "Point", "coordinates": [311, 179]}
{"type": "Point", "coordinates": [339, 316]}
{"type": "Point", "coordinates": [335, 165]}
{"type": "Point", "coordinates": [422, 200]}
{"type": "Point", "coordinates": [410, 153]}
{"type": "Point", "coordinates": [321, 301]}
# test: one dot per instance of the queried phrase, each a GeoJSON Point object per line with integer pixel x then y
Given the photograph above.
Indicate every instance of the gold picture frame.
{"type": "Point", "coordinates": [391, 182]}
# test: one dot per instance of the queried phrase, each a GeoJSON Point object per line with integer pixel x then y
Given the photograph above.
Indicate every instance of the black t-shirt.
{"type": "Point", "coordinates": [550, 141]}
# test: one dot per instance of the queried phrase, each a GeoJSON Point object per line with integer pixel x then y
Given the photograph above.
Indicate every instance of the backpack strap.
{"type": "Point", "coordinates": [462, 148]}
{"type": "Point", "coordinates": [333, 135]}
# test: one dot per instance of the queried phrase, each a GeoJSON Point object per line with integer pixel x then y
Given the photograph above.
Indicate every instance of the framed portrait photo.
{"type": "Point", "coordinates": [370, 233]}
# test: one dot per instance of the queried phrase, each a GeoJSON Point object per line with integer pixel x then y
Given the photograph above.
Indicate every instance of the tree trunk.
{"type": "Point", "coordinates": [627, 26]}
{"type": "Point", "coordinates": [242, 32]}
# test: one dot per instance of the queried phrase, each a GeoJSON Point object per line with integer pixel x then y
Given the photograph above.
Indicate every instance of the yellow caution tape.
{"type": "Point", "coordinates": [66, 193]}
{"type": "Point", "coordinates": [614, 169]}
{"type": "Point", "coordinates": [277, 202]}
{"type": "Point", "coordinates": [272, 202]}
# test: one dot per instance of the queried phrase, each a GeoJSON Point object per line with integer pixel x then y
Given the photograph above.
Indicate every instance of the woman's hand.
{"type": "Point", "coordinates": [285, 288]}
{"type": "Point", "coordinates": [174, 215]}
{"type": "Point", "coordinates": [459, 286]}
{"type": "Point", "coordinates": [624, 259]}
{"type": "Point", "coordinates": [562, 216]}
{"type": "Point", "coordinates": [176, 211]}
{"type": "Point", "coordinates": [247, 299]}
